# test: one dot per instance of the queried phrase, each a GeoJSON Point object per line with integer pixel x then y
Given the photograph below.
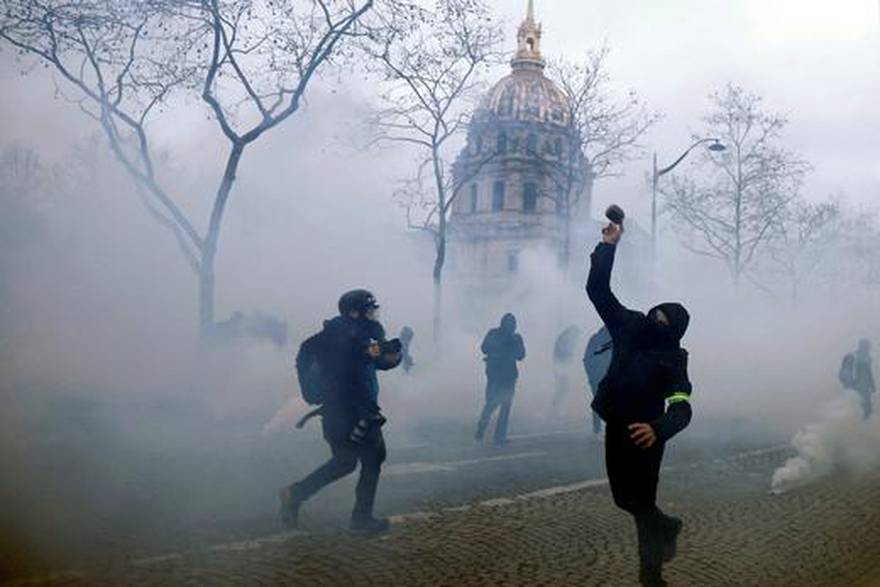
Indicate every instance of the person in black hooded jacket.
{"type": "Point", "coordinates": [503, 348]}
{"type": "Point", "coordinates": [648, 372]}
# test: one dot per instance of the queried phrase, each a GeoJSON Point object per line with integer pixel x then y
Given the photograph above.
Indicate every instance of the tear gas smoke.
{"type": "Point", "coordinates": [839, 442]}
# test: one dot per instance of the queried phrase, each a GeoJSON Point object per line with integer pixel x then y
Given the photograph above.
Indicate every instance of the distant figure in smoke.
{"type": "Point", "coordinates": [406, 336]}
{"type": "Point", "coordinates": [648, 370]}
{"type": "Point", "coordinates": [352, 347]}
{"type": "Point", "coordinates": [563, 360]}
{"type": "Point", "coordinates": [503, 347]}
{"type": "Point", "coordinates": [856, 374]}
{"type": "Point", "coordinates": [256, 326]}
{"type": "Point", "coordinates": [597, 358]}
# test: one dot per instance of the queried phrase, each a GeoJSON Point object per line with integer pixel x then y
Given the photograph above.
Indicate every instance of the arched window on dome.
{"type": "Point", "coordinates": [502, 143]}
{"type": "Point", "coordinates": [473, 201]}
{"type": "Point", "coordinates": [557, 147]}
{"type": "Point", "coordinates": [506, 105]}
{"type": "Point", "coordinates": [532, 144]}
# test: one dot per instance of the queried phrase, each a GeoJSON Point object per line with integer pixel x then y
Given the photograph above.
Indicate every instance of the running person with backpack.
{"type": "Point", "coordinates": [337, 370]}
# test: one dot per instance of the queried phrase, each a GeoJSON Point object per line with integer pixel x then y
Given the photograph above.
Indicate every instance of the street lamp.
{"type": "Point", "coordinates": [715, 147]}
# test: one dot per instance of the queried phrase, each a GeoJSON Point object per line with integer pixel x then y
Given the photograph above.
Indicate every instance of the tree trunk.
{"type": "Point", "coordinates": [209, 251]}
{"type": "Point", "coordinates": [439, 261]}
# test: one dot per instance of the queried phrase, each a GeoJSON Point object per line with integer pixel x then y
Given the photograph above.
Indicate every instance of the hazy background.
{"type": "Point", "coordinates": [99, 310]}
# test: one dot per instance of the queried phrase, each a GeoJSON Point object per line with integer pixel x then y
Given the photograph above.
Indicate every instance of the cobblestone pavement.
{"type": "Point", "coordinates": [735, 534]}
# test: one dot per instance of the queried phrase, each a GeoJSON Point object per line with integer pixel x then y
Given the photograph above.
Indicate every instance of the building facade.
{"type": "Point", "coordinates": [510, 195]}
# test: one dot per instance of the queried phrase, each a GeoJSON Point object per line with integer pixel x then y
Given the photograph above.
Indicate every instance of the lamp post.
{"type": "Point", "coordinates": [716, 146]}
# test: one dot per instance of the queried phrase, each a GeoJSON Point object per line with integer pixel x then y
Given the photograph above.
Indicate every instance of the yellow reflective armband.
{"type": "Point", "coordinates": [677, 397]}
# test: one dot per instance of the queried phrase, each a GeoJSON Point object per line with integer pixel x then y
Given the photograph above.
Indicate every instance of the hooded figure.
{"type": "Point", "coordinates": [502, 348]}
{"type": "Point", "coordinates": [856, 373]}
{"type": "Point", "coordinates": [648, 372]}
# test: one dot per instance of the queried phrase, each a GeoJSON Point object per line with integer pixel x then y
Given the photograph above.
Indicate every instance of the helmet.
{"type": "Point", "coordinates": [357, 300]}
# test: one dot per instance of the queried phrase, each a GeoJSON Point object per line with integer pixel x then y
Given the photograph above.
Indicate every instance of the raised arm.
{"type": "Point", "coordinates": [599, 291]}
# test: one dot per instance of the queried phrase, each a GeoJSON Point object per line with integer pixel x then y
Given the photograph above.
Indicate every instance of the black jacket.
{"type": "Point", "coordinates": [352, 386]}
{"type": "Point", "coordinates": [648, 367]}
{"type": "Point", "coordinates": [503, 349]}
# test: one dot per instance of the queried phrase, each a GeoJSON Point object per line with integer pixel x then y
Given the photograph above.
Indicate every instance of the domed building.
{"type": "Point", "coordinates": [509, 195]}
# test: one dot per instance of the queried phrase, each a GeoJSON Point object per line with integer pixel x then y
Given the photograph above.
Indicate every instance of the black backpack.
{"type": "Point", "coordinates": [311, 368]}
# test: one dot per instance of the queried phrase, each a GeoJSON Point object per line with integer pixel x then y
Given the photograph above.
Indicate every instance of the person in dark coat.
{"type": "Point", "coordinates": [597, 359]}
{"type": "Point", "coordinates": [351, 418]}
{"type": "Point", "coordinates": [856, 374]}
{"type": "Point", "coordinates": [563, 359]}
{"type": "Point", "coordinates": [648, 371]}
{"type": "Point", "coordinates": [502, 348]}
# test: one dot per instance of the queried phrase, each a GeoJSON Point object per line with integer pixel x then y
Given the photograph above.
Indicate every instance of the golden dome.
{"type": "Point", "coordinates": [526, 96]}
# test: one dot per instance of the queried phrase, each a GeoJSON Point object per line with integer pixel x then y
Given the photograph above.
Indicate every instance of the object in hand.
{"type": "Point", "coordinates": [615, 214]}
{"type": "Point", "coordinates": [391, 347]}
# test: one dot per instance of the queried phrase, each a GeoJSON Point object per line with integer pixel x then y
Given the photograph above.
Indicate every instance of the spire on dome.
{"type": "Point", "coordinates": [528, 40]}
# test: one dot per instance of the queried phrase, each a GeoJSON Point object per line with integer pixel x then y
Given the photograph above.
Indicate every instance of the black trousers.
{"type": "Point", "coordinates": [499, 396]}
{"type": "Point", "coordinates": [633, 474]}
{"type": "Point", "coordinates": [346, 455]}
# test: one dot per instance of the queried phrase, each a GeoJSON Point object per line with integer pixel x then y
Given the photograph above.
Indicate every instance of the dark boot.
{"type": "Point", "coordinates": [671, 530]}
{"type": "Point", "coordinates": [369, 524]}
{"type": "Point", "coordinates": [650, 533]}
{"type": "Point", "coordinates": [290, 504]}
{"type": "Point", "coordinates": [651, 577]}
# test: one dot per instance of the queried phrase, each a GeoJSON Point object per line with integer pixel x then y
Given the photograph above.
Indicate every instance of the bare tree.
{"type": "Point", "coordinates": [802, 232]}
{"type": "Point", "coordinates": [729, 211]}
{"type": "Point", "coordinates": [854, 244]}
{"type": "Point", "coordinates": [250, 61]}
{"type": "Point", "coordinates": [606, 130]}
{"type": "Point", "coordinates": [431, 70]}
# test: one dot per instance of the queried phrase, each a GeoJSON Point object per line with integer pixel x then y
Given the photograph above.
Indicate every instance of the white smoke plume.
{"type": "Point", "coordinates": [840, 442]}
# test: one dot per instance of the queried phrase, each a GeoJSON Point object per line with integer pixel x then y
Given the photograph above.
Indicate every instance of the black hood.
{"type": "Point", "coordinates": [508, 323]}
{"type": "Point", "coordinates": [678, 319]}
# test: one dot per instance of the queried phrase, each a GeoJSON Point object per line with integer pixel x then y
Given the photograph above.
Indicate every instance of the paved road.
{"type": "Point", "coordinates": [98, 487]}
{"type": "Point", "coordinates": [736, 534]}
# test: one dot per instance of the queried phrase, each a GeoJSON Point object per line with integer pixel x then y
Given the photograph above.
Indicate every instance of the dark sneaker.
{"type": "Point", "coordinates": [289, 509]}
{"type": "Point", "coordinates": [670, 543]}
{"type": "Point", "coordinates": [369, 525]}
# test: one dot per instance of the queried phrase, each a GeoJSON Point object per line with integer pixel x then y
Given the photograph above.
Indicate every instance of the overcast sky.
{"type": "Point", "coordinates": [815, 60]}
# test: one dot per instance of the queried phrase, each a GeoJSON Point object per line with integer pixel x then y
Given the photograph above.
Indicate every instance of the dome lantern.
{"type": "Point", "coordinates": [528, 39]}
